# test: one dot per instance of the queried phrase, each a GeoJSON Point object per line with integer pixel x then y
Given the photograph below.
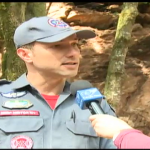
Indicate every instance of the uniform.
{"type": "Point", "coordinates": [27, 121]}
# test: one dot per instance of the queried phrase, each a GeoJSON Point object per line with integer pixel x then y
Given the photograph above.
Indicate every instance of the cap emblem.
{"type": "Point", "coordinates": [58, 23]}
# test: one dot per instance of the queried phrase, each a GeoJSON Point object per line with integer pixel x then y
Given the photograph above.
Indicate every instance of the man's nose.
{"type": "Point", "coordinates": [73, 51]}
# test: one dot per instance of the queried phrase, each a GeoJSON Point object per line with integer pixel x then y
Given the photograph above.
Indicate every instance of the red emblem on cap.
{"type": "Point", "coordinates": [21, 141]}
{"type": "Point", "coordinates": [58, 23]}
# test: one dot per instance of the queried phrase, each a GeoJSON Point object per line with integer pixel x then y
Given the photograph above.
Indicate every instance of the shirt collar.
{"type": "Point", "coordinates": [23, 82]}
{"type": "Point", "coordinates": [20, 82]}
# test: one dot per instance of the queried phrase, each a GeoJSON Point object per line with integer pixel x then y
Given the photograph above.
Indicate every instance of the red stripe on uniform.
{"type": "Point", "coordinates": [19, 113]}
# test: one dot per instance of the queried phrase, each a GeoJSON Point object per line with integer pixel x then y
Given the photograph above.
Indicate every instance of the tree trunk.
{"type": "Point", "coordinates": [11, 15]}
{"type": "Point", "coordinates": [35, 10]}
{"type": "Point", "coordinates": [116, 70]}
{"type": "Point", "coordinates": [1, 48]}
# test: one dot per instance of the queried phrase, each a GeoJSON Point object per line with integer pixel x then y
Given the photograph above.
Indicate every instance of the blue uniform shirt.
{"type": "Point", "coordinates": [27, 121]}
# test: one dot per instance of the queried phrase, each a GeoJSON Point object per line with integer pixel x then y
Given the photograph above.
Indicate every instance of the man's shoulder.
{"type": "Point", "coordinates": [5, 84]}
{"type": "Point", "coordinates": [108, 108]}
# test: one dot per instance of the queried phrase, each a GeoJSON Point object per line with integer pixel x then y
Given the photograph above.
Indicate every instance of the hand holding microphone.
{"type": "Point", "coordinates": [89, 97]}
{"type": "Point", "coordinates": [108, 126]}
{"type": "Point", "coordinates": [105, 125]}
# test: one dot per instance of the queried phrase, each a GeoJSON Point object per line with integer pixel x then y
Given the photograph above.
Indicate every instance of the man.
{"type": "Point", "coordinates": [123, 135]}
{"type": "Point", "coordinates": [37, 109]}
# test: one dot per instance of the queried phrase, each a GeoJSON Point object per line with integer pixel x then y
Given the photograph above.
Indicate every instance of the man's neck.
{"type": "Point", "coordinates": [46, 85]}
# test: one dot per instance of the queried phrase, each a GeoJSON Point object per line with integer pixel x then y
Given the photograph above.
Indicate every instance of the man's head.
{"type": "Point", "coordinates": [49, 45]}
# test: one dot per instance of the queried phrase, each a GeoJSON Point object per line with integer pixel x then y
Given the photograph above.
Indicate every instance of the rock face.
{"type": "Point", "coordinates": [81, 16]}
{"type": "Point", "coordinates": [135, 102]}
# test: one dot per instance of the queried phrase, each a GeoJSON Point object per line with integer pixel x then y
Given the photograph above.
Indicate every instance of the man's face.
{"type": "Point", "coordinates": [56, 59]}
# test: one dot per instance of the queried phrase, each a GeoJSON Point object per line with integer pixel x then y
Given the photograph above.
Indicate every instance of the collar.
{"type": "Point", "coordinates": [22, 82]}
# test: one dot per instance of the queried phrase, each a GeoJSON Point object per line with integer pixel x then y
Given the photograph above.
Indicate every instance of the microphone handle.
{"type": "Point", "coordinates": [95, 108]}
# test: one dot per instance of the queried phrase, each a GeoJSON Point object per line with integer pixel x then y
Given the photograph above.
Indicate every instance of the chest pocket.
{"type": "Point", "coordinates": [83, 133]}
{"type": "Point", "coordinates": [21, 126]}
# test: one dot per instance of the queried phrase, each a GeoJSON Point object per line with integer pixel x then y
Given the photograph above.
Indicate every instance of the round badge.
{"type": "Point", "coordinates": [21, 141]}
{"type": "Point", "coordinates": [57, 23]}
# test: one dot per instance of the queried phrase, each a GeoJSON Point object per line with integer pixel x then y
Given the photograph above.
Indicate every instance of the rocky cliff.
{"type": "Point", "coordinates": [102, 18]}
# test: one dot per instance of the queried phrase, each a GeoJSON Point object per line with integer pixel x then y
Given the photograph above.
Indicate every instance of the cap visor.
{"type": "Point", "coordinates": [81, 34]}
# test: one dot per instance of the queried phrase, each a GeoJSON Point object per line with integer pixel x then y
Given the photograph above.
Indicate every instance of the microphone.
{"type": "Point", "coordinates": [87, 96]}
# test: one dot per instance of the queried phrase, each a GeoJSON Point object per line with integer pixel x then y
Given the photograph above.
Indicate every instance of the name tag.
{"type": "Point", "coordinates": [19, 113]}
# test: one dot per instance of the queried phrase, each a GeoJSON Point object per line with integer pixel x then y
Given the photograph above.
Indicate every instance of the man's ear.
{"type": "Point", "coordinates": [24, 54]}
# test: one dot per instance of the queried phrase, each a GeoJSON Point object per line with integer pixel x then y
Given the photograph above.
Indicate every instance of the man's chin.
{"type": "Point", "coordinates": [70, 75]}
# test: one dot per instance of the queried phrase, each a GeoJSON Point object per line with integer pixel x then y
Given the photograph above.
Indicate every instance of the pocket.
{"type": "Point", "coordinates": [83, 134]}
{"type": "Point", "coordinates": [28, 126]}
{"type": "Point", "coordinates": [81, 128]}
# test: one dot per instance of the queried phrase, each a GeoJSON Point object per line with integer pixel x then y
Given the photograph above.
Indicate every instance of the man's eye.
{"type": "Point", "coordinates": [74, 44]}
{"type": "Point", "coordinates": [55, 46]}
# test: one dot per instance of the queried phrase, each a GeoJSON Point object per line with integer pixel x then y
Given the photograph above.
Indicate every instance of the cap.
{"type": "Point", "coordinates": [47, 30]}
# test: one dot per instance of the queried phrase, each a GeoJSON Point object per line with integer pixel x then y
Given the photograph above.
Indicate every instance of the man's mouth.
{"type": "Point", "coordinates": [69, 63]}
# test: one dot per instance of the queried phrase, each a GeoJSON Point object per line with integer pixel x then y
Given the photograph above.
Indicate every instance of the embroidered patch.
{"type": "Point", "coordinates": [21, 141]}
{"type": "Point", "coordinates": [58, 23]}
{"type": "Point", "coordinates": [13, 94]}
{"type": "Point", "coordinates": [17, 103]}
{"type": "Point", "coordinates": [19, 113]}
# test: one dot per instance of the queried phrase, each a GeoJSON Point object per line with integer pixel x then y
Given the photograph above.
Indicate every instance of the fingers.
{"type": "Point", "coordinates": [93, 122]}
{"type": "Point", "coordinates": [92, 117]}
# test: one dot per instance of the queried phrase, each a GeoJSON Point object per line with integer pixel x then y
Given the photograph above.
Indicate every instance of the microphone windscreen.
{"type": "Point", "coordinates": [79, 85]}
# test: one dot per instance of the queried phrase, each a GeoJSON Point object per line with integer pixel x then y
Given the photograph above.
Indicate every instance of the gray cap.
{"type": "Point", "coordinates": [47, 30]}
